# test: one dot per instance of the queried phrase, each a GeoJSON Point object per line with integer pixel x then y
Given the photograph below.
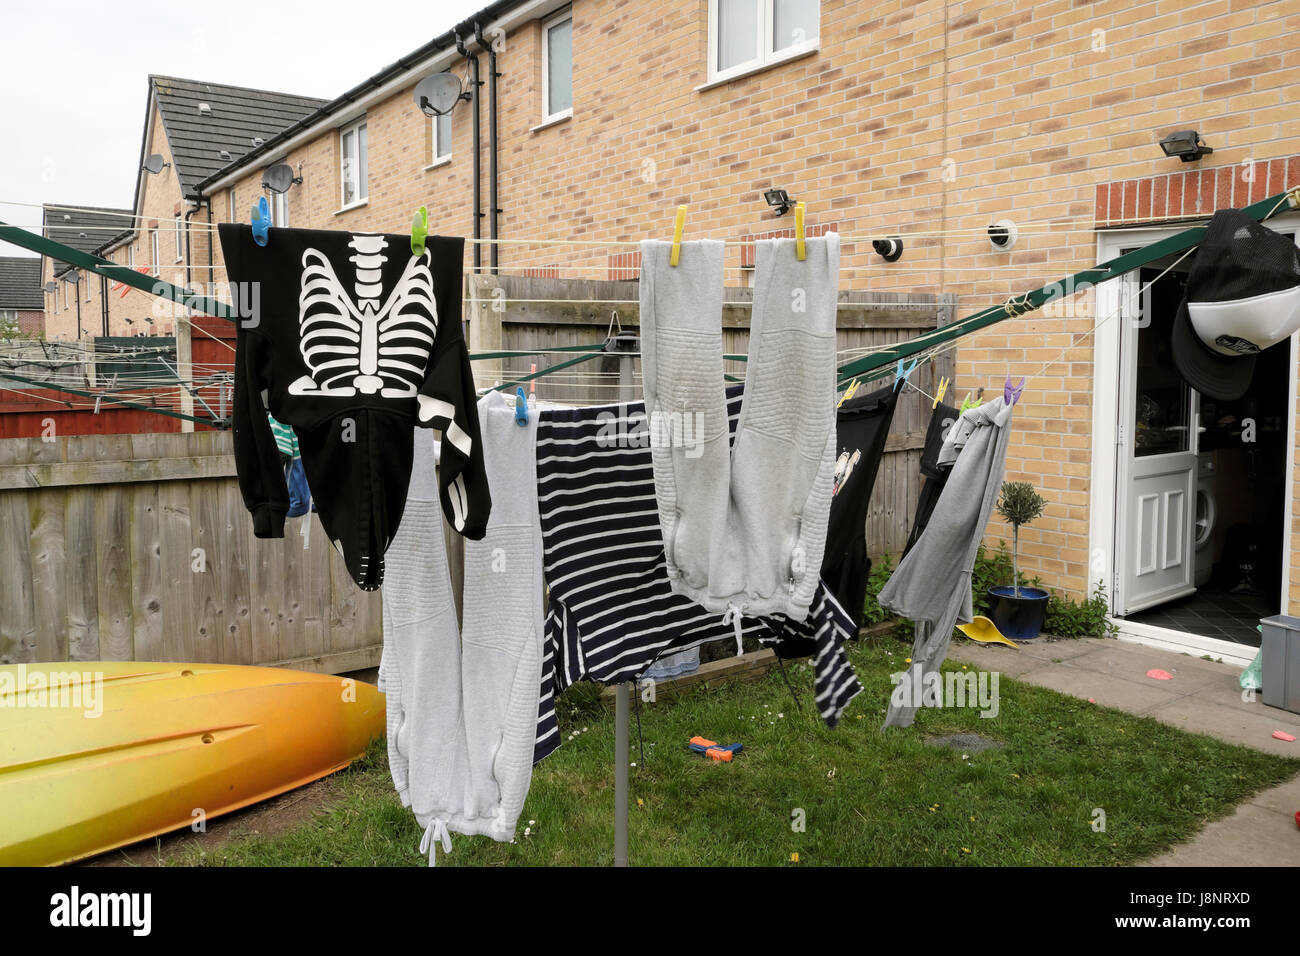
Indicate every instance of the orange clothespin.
{"type": "Point", "coordinates": [800, 247]}
{"type": "Point", "coordinates": [678, 226]}
{"type": "Point", "coordinates": [938, 395]}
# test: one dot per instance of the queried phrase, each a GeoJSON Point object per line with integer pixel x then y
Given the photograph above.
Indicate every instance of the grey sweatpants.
{"type": "Point", "coordinates": [462, 708]}
{"type": "Point", "coordinates": [744, 526]}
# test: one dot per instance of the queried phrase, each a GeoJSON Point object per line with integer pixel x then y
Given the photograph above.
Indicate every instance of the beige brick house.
{"type": "Point", "coordinates": [928, 120]}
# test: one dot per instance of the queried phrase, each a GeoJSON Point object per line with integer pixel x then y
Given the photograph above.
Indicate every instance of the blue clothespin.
{"type": "Point", "coordinates": [419, 230]}
{"type": "Point", "coordinates": [1012, 395]}
{"type": "Point", "coordinates": [521, 407]}
{"type": "Point", "coordinates": [901, 374]}
{"type": "Point", "coordinates": [261, 220]}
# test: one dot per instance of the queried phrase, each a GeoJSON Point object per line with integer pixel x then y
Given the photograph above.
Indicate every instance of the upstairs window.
{"type": "Point", "coordinates": [154, 256]}
{"type": "Point", "coordinates": [353, 163]}
{"type": "Point", "coordinates": [441, 139]}
{"type": "Point", "coordinates": [557, 67]}
{"type": "Point", "coordinates": [180, 246]}
{"type": "Point", "coordinates": [746, 35]}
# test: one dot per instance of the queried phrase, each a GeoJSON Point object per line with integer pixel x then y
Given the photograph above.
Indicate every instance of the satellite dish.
{"type": "Point", "coordinates": [155, 163]}
{"type": "Point", "coordinates": [438, 95]}
{"type": "Point", "coordinates": [279, 178]}
{"type": "Point", "coordinates": [51, 287]}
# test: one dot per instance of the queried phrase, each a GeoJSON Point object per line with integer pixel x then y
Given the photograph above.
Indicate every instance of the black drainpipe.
{"type": "Point", "coordinates": [103, 301]}
{"type": "Point", "coordinates": [475, 83]}
{"type": "Point", "coordinates": [197, 205]}
{"type": "Point", "coordinates": [493, 207]}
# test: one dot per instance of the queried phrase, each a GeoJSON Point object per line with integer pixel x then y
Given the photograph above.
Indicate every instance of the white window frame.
{"type": "Point", "coordinates": [363, 189]}
{"type": "Point", "coordinates": [547, 25]}
{"type": "Point", "coordinates": [130, 254]}
{"type": "Point", "coordinates": [765, 55]}
{"type": "Point", "coordinates": [231, 194]}
{"type": "Point", "coordinates": [155, 253]}
{"type": "Point", "coordinates": [437, 156]}
{"type": "Point", "coordinates": [88, 287]}
{"type": "Point", "coordinates": [180, 249]}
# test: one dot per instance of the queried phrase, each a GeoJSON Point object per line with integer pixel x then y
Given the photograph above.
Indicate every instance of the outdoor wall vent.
{"type": "Point", "coordinates": [891, 249]}
{"type": "Point", "coordinates": [1003, 235]}
{"type": "Point", "coordinates": [205, 109]}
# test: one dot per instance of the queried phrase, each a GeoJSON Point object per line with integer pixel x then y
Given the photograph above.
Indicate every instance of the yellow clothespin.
{"type": "Point", "coordinates": [938, 396]}
{"type": "Point", "coordinates": [848, 392]}
{"type": "Point", "coordinates": [678, 226]}
{"type": "Point", "coordinates": [800, 249]}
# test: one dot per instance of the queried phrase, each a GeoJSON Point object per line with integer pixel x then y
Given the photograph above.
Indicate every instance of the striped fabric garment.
{"type": "Point", "coordinates": [612, 611]}
{"type": "Point", "coordinates": [285, 439]}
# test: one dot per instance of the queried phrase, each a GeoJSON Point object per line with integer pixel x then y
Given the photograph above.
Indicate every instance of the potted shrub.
{"type": "Point", "coordinates": [1018, 611]}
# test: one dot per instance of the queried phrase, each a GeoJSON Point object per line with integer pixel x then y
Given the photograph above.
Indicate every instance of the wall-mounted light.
{"type": "Point", "coordinates": [1003, 235]}
{"type": "Point", "coordinates": [438, 95]}
{"type": "Point", "coordinates": [1186, 144]}
{"type": "Point", "coordinates": [279, 178]}
{"type": "Point", "coordinates": [155, 164]}
{"type": "Point", "coordinates": [891, 249]}
{"type": "Point", "coordinates": [779, 200]}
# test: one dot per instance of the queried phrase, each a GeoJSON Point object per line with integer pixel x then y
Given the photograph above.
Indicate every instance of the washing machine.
{"type": "Point", "coordinates": [1205, 517]}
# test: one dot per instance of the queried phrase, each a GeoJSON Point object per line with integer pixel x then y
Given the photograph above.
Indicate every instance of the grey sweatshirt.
{"type": "Point", "coordinates": [932, 585]}
{"type": "Point", "coordinates": [462, 711]}
{"type": "Point", "coordinates": [744, 527]}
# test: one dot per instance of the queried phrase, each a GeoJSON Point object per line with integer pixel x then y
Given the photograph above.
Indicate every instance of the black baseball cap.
{"type": "Point", "coordinates": [1243, 295]}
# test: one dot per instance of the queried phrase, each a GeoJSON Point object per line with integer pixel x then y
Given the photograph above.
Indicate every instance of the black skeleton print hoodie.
{"type": "Point", "coordinates": [352, 340]}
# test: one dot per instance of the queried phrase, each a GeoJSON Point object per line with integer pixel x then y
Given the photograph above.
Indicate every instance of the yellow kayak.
{"type": "Point", "coordinates": [97, 755]}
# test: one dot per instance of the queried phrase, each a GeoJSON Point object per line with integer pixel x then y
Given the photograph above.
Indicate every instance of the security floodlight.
{"type": "Point", "coordinates": [438, 95]}
{"type": "Point", "coordinates": [279, 178]}
{"type": "Point", "coordinates": [1186, 144]}
{"type": "Point", "coordinates": [779, 200]}
{"type": "Point", "coordinates": [155, 164]}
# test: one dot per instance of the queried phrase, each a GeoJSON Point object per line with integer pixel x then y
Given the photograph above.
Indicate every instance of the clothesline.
{"type": "Point", "coordinates": [889, 231]}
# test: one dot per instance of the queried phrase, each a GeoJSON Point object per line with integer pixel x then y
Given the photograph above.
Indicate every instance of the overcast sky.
{"type": "Point", "coordinates": [73, 76]}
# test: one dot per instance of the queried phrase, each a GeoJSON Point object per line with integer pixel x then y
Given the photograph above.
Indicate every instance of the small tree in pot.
{"type": "Point", "coordinates": [1019, 504]}
{"type": "Point", "coordinates": [1018, 612]}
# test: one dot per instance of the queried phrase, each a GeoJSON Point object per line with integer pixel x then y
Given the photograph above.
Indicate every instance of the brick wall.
{"type": "Point", "coordinates": [928, 119]}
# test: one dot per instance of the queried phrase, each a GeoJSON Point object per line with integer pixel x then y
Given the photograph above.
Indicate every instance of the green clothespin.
{"type": "Point", "coordinates": [419, 230]}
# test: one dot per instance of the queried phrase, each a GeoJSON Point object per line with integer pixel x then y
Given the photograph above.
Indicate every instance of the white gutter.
{"type": "Point", "coordinates": [438, 61]}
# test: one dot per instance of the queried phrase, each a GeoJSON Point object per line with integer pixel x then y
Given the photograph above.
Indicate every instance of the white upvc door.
{"type": "Point", "coordinates": [1156, 449]}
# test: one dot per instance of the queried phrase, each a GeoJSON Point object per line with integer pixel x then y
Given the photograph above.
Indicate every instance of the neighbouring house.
{"type": "Point", "coordinates": [77, 302]}
{"type": "Point", "coordinates": [22, 305]}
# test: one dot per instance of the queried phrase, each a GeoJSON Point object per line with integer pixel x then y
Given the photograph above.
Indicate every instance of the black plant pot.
{"type": "Point", "coordinates": [1019, 618]}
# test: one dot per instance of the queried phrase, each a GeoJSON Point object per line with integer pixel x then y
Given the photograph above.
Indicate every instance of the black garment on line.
{"type": "Point", "coordinates": [861, 428]}
{"type": "Point", "coordinates": [351, 339]}
{"type": "Point", "coordinates": [936, 475]}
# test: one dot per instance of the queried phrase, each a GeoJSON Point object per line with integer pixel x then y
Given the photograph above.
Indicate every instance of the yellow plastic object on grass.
{"type": "Point", "coordinates": [985, 631]}
{"type": "Point", "coordinates": [95, 756]}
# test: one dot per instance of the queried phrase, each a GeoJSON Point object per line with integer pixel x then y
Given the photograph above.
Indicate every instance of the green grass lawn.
{"type": "Point", "coordinates": [868, 798]}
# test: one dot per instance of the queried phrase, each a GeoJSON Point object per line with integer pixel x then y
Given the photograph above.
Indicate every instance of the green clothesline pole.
{"type": "Point", "coordinates": [6, 375]}
{"type": "Point", "coordinates": [1019, 305]}
{"type": "Point", "coordinates": [548, 370]}
{"type": "Point", "coordinates": [115, 271]}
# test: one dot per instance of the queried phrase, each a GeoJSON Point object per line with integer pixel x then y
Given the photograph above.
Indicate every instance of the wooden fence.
{"type": "Point", "coordinates": [138, 547]}
{"type": "Point", "coordinates": [515, 313]}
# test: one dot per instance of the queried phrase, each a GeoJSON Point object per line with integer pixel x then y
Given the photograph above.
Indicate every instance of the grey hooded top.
{"type": "Point", "coordinates": [932, 585]}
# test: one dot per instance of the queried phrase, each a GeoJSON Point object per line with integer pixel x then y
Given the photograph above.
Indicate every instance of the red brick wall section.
{"type": "Point", "coordinates": [1192, 193]}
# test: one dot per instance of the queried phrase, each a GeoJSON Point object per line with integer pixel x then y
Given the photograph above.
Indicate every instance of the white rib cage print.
{"type": "Point", "coordinates": [356, 345]}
